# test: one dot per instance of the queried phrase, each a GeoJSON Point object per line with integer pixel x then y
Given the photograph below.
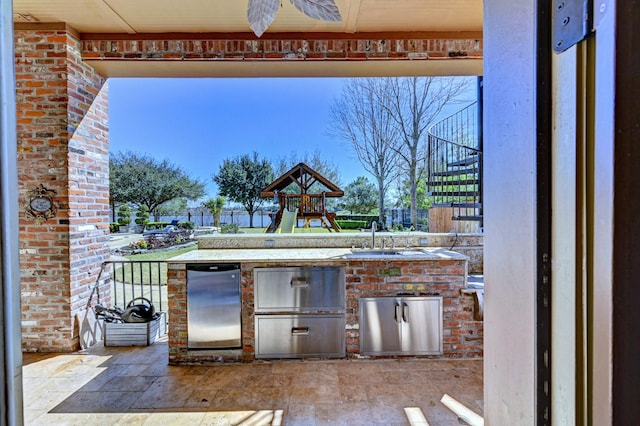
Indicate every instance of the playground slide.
{"type": "Point", "coordinates": [288, 221]}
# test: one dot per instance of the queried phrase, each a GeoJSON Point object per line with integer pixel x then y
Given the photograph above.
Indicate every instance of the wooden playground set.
{"type": "Point", "coordinates": [292, 192]}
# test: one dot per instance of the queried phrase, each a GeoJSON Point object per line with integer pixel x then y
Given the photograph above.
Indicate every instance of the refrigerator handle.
{"type": "Point", "coordinates": [396, 312]}
{"type": "Point", "coordinates": [405, 312]}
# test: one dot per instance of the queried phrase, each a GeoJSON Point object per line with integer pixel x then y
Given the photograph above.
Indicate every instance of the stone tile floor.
{"type": "Point", "coordinates": [135, 386]}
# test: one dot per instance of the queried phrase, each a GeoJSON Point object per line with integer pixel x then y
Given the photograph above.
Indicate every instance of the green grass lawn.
{"type": "Point", "coordinates": [162, 255]}
{"type": "Point", "coordinates": [142, 279]}
{"type": "Point", "coordinates": [145, 273]}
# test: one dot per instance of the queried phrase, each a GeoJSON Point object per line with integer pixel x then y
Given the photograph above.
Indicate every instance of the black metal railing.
{"type": "Point", "coordinates": [454, 163]}
{"type": "Point", "coordinates": [139, 278]}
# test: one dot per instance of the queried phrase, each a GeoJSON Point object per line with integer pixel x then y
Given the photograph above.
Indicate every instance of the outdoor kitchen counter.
{"type": "Point", "coordinates": [417, 271]}
{"type": "Point", "coordinates": [259, 255]}
{"type": "Point", "coordinates": [310, 255]}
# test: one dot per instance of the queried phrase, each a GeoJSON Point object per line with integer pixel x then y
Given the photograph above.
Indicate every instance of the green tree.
{"type": "Point", "coordinates": [360, 196]}
{"type": "Point", "coordinates": [241, 180]}
{"type": "Point", "coordinates": [173, 207]}
{"type": "Point", "coordinates": [215, 205]}
{"type": "Point", "coordinates": [424, 201]}
{"type": "Point", "coordinates": [143, 180]}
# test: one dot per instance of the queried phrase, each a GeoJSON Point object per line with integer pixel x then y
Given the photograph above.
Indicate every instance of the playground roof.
{"type": "Point", "coordinates": [303, 176]}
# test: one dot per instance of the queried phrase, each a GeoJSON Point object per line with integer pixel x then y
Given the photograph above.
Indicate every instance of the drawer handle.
{"type": "Point", "coordinates": [299, 282]}
{"type": "Point", "coordinates": [300, 331]}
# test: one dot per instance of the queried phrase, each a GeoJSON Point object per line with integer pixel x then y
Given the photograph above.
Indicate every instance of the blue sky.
{"type": "Point", "coordinates": [197, 123]}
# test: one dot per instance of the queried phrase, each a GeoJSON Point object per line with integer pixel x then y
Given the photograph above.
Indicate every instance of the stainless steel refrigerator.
{"type": "Point", "coordinates": [214, 308]}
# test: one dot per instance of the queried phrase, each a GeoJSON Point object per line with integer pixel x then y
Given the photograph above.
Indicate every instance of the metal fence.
{"type": "Point", "coordinates": [403, 217]}
{"type": "Point", "coordinates": [131, 279]}
{"type": "Point", "coordinates": [239, 217]}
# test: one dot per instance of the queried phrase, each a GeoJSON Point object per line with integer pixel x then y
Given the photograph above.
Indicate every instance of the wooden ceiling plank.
{"type": "Point", "coordinates": [351, 20]}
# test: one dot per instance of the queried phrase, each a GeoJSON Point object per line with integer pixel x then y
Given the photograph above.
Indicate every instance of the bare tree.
{"type": "Point", "coordinates": [414, 103]}
{"type": "Point", "coordinates": [359, 118]}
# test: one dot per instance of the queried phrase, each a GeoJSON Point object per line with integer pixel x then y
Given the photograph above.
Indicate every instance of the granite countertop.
{"type": "Point", "coordinates": [312, 254]}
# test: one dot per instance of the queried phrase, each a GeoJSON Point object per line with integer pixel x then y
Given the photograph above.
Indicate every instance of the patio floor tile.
{"type": "Point", "coordinates": [136, 386]}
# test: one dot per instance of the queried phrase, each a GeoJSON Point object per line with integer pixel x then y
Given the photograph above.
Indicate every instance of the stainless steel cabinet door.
{"type": "Point", "coordinates": [299, 289]}
{"type": "Point", "coordinates": [401, 326]}
{"type": "Point", "coordinates": [380, 326]}
{"type": "Point", "coordinates": [421, 325]}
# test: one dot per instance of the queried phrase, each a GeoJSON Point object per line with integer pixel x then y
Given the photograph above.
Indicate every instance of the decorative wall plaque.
{"type": "Point", "coordinates": [40, 204]}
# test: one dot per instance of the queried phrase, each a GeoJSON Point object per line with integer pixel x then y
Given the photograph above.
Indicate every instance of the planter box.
{"type": "Point", "coordinates": [135, 333]}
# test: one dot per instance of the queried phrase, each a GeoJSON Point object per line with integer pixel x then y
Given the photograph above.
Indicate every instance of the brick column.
{"type": "Point", "coordinates": [63, 135]}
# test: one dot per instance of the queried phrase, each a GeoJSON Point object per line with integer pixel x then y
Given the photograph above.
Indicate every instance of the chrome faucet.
{"type": "Point", "coordinates": [374, 227]}
{"type": "Point", "coordinates": [411, 228]}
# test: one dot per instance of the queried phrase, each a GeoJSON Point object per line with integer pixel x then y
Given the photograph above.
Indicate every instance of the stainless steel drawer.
{"type": "Point", "coordinates": [298, 336]}
{"type": "Point", "coordinates": [299, 289]}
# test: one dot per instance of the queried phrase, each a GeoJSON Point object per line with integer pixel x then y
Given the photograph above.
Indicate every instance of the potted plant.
{"type": "Point", "coordinates": [142, 218]}
{"type": "Point", "coordinates": [124, 218]}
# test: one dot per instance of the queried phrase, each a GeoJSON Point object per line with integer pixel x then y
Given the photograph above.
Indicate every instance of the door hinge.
{"type": "Point", "coordinates": [572, 22]}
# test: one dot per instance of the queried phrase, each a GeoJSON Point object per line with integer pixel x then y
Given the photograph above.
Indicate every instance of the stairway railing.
{"type": "Point", "coordinates": [454, 163]}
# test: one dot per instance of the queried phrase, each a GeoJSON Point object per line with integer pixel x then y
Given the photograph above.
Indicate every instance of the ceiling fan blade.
{"type": "Point", "coordinates": [260, 14]}
{"type": "Point", "coordinates": [323, 10]}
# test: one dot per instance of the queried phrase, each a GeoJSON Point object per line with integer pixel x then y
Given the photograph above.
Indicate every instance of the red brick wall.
{"type": "Point", "coordinates": [445, 278]}
{"type": "Point", "coordinates": [177, 309]}
{"type": "Point", "coordinates": [462, 335]}
{"type": "Point", "coordinates": [62, 144]}
{"type": "Point", "coordinates": [252, 49]}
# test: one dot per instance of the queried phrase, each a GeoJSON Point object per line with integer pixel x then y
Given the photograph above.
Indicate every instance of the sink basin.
{"type": "Point", "coordinates": [366, 253]}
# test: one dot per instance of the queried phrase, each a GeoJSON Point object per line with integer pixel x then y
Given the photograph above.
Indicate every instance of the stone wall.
{"type": "Point", "coordinates": [62, 123]}
{"type": "Point", "coordinates": [470, 245]}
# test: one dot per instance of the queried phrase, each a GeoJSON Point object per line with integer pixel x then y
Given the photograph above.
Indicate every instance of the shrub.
{"type": "Point", "coordinates": [114, 227]}
{"type": "Point", "coordinates": [142, 215]}
{"type": "Point", "coordinates": [156, 225]}
{"type": "Point", "coordinates": [124, 215]}
{"type": "Point", "coordinates": [229, 228]}
{"type": "Point", "coordinates": [352, 224]}
{"type": "Point", "coordinates": [187, 225]}
{"type": "Point", "coordinates": [398, 227]}
{"type": "Point", "coordinates": [138, 244]}
{"type": "Point", "coordinates": [368, 218]}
